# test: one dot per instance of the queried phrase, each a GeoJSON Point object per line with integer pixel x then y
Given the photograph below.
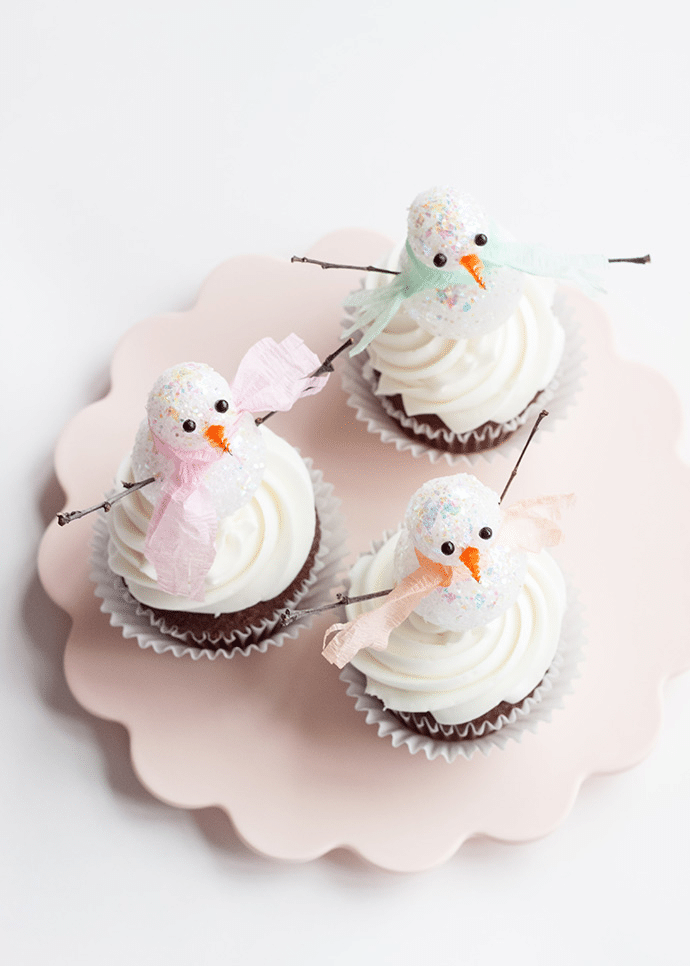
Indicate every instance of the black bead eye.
{"type": "Point", "coordinates": [189, 425]}
{"type": "Point", "coordinates": [480, 239]}
{"type": "Point", "coordinates": [221, 406]}
{"type": "Point", "coordinates": [440, 260]}
{"type": "Point", "coordinates": [448, 548]}
{"type": "Point", "coordinates": [486, 533]}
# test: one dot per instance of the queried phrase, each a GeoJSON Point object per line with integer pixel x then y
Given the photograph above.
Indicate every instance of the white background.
{"type": "Point", "coordinates": [145, 141]}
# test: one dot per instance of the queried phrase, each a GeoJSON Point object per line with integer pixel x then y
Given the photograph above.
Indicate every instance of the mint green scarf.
{"type": "Point", "coordinates": [379, 305]}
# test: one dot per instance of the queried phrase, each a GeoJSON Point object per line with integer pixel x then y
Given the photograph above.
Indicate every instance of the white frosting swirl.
{"type": "Point", "coordinates": [458, 676]}
{"type": "Point", "coordinates": [260, 549]}
{"type": "Point", "coordinates": [468, 382]}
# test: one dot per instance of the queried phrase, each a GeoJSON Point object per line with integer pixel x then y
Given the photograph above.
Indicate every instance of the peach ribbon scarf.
{"type": "Point", "coordinates": [372, 629]}
{"type": "Point", "coordinates": [181, 537]}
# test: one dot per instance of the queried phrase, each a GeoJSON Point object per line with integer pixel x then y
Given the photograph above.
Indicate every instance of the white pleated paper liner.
{"type": "Point", "coordinates": [537, 708]}
{"type": "Point", "coordinates": [383, 418]}
{"type": "Point", "coordinates": [137, 621]}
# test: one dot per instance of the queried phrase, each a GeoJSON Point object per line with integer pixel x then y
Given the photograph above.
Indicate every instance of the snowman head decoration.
{"type": "Point", "coordinates": [456, 521]}
{"type": "Point", "coordinates": [447, 232]}
{"type": "Point", "coordinates": [189, 406]}
{"type": "Point", "coordinates": [193, 420]}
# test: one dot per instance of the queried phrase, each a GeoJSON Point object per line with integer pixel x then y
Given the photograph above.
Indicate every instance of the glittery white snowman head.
{"type": "Point", "coordinates": [455, 520]}
{"type": "Point", "coordinates": [191, 409]}
{"type": "Point", "coordinates": [447, 230]}
{"type": "Point", "coordinates": [186, 402]}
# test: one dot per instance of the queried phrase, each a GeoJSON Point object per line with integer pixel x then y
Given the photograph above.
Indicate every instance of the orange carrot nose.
{"type": "Point", "coordinates": [216, 437]}
{"type": "Point", "coordinates": [470, 558]}
{"type": "Point", "coordinates": [474, 266]}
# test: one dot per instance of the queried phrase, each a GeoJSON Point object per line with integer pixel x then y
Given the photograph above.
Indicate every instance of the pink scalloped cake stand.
{"type": "Point", "coordinates": [272, 738]}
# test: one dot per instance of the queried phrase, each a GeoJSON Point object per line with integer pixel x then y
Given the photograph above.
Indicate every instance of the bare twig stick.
{"type": "Point", "coordinates": [541, 416]}
{"type": "Point", "coordinates": [638, 260]}
{"type": "Point", "coordinates": [356, 268]}
{"type": "Point", "coordinates": [106, 505]}
{"type": "Point", "coordinates": [290, 616]}
{"type": "Point", "coordinates": [326, 366]}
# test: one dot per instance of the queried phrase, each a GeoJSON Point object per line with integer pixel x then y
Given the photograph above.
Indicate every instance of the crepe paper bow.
{"type": "Point", "coordinates": [379, 305]}
{"type": "Point", "coordinates": [532, 524]}
{"type": "Point", "coordinates": [181, 536]}
{"type": "Point", "coordinates": [274, 375]}
{"type": "Point", "coordinates": [528, 525]}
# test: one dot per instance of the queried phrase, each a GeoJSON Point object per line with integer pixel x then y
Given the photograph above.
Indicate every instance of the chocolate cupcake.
{"type": "Point", "coordinates": [233, 527]}
{"type": "Point", "coordinates": [458, 350]}
{"type": "Point", "coordinates": [477, 639]}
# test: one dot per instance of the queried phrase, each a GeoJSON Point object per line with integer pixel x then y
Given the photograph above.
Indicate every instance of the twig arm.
{"type": "Point", "coordinates": [106, 505]}
{"type": "Point", "coordinates": [542, 415]}
{"type": "Point", "coordinates": [356, 268]}
{"type": "Point", "coordinates": [637, 260]}
{"type": "Point", "coordinates": [290, 616]}
{"type": "Point", "coordinates": [327, 364]}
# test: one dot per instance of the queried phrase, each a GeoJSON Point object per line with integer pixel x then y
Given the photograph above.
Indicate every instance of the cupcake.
{"type": "Point", "coordinates": [232, 526]}
{"type": "Point", "coordinates": [459, 342]}
{"type": "Point", "coordinates": [470, 645]}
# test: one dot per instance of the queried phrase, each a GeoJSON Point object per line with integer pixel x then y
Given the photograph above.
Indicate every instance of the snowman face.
{"type": "Point", "coordinates": [444, 226]}
{"type": "Point", "coordinates": [447, 230]}
{"type": "Point", "coordinates": [195, 393]}
{"type": "Point", "coordinates": [190, 407]}
{"type": "Point", "coordinates": [455, 521]}
{"type": "Point", "coordinates": [450, 514]}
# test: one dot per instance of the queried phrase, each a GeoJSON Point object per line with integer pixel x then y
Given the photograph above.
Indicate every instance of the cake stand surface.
{"type": "Point", "coordinates": [273, 739]}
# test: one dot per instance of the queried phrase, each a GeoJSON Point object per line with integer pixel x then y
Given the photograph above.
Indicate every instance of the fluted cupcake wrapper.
{"type": "Point", "coordinates": [467, 740]}
{"type": "Point", "coordinates": [151, 631]}
{"type": "Point", "coordinates": [382, 417]}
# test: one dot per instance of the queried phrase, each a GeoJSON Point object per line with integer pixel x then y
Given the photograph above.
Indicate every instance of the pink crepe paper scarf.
{"type": "Point", "coordinates": [275, 375]}
{"type": "Point", "coordinates": [527, 525]}
{"type": "Point", "coordinates": [181, 537]}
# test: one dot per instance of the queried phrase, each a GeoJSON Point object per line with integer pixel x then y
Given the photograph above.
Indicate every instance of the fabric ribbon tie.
{"type": "Point", "coordinates": [379, 305]}
{"type": "Point", "coordinates": [181, 536]}
{"type": "Point", "coordinates": [585, 271]}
